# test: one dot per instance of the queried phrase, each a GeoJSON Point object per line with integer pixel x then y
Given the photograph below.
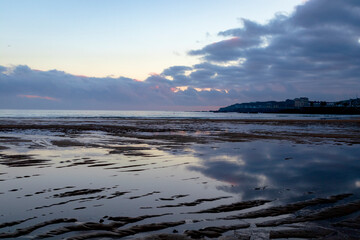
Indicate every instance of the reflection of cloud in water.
{"type": "Point", "coordinates": [323, 169]}
{"type": "Point", "coordinates": [234, 159]}
{"type": "Point", "coordinates": [231, 173]}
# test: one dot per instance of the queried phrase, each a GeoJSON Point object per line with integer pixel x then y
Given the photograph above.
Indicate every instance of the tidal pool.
{"type": "Point", "coordinates": [98, 179]}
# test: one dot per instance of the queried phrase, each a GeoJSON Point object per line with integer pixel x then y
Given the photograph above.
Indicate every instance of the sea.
{"type": "Point", "coordinates": [11, 113]}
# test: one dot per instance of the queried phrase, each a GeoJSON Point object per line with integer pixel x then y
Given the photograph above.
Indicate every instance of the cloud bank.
{"type": "Point", "coordinates": [22, 87]}
{"type": "Point", "coordinates": [313, 52]}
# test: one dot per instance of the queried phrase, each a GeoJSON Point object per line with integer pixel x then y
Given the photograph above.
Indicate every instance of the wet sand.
{"type": "Point", "coordinates": [179, 179]}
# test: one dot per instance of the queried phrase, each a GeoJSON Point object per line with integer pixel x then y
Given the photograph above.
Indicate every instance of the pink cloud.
{"type": "Point", "coordinates": [82, 76]}
{"type": "Point", "coordinates": [154, 74]}
{"type": "Point", "coordinates": [39, 97]}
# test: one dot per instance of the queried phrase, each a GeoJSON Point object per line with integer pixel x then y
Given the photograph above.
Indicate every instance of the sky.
{"type": "Point", "coordinates": [176, 55]}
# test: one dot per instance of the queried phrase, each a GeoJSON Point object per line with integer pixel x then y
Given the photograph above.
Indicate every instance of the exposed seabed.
{"type": "Point", "coordinates": [179, 179]}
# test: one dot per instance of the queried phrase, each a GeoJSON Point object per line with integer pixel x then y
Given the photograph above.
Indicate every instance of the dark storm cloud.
{"type": "Point", "coordinates": [333, 13]}
{"type": "Point", "coordinates": [176, 70]}
{"type": "Point", "coordinates": [315, 51]}
{"type": "Point", "coordinates": [226, 50]}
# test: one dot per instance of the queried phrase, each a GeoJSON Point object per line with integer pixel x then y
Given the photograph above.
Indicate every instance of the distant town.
{"type": "Point", "coordinates": [297, 105]}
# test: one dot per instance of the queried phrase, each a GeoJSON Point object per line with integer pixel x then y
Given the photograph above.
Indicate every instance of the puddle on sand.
{"type": "Point", "coordinates": [100, 178]}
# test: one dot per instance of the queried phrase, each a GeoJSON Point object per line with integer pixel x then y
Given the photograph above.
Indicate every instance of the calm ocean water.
{"type": "Point", "coordinates": [4, 113]}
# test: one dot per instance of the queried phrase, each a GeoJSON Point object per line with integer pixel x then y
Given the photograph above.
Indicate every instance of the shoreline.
{"type": "Point", "coordinates": [152, 178]}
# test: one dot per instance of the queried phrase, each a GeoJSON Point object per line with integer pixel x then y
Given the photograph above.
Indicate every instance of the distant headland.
{"type": "Point", "coordinates": [298, 105]}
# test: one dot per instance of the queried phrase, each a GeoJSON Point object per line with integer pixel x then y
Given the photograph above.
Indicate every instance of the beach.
{"type": "Point", "coordinates": [172, 178]}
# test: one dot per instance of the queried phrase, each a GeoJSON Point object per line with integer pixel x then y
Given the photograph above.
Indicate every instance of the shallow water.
{"type": "Point", "coordinates": [175, 167]}
{"type": "Point", "coordinates": [13, 113]}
